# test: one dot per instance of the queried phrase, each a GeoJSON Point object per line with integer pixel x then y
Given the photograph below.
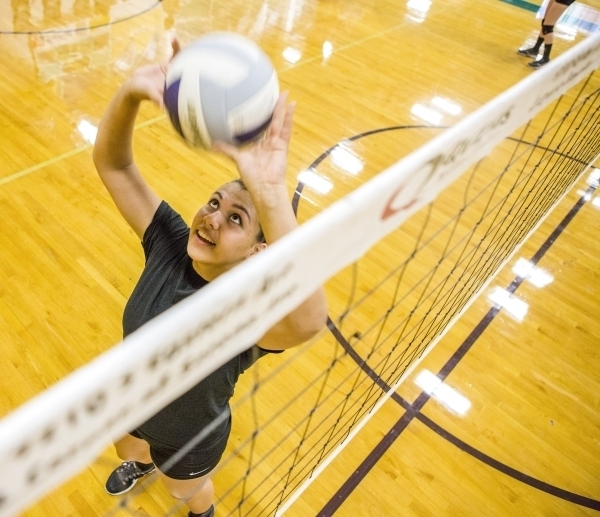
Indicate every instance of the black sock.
{"type": "Point", "coordinates": [208, 513]}
{"type": "Point", "coordinates": [538, 43]}
{"type": "Point", "coordinates": [547, 49]}
{"type": "Point", "coordinates": [144, 465]}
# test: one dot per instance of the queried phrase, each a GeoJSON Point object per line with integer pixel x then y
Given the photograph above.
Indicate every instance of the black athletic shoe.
{"type": "Point", "coordinates": [528, 52]}
{"type": "Point", "coordinates": [124, 477]}
{"type": "Point", "coordinates": [538, 62]}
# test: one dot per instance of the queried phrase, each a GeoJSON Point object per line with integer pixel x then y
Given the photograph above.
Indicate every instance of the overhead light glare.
{"type": "Point", "coordinates": [292, 55]}
{"type": "Point", "coordinates": [346, 159]}
{"type": "Point", "coordinates": [315, 181]}
{"type": "Point", "coordinates": [446, 105]}
{"type": "Point", "coordinates": [439, 390]}
{"type": "Point", "coordinates": [514, 306]}
{"type": "Point", "coordinates": [88, 131]}
{"type": "Point", "coordinates": [535, 275]}
{"type": "Point", "coordinates": [427, 114]}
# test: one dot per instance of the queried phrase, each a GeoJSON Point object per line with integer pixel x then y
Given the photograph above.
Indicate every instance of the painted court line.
{"type": "Point", "coordinates": [64, 156]}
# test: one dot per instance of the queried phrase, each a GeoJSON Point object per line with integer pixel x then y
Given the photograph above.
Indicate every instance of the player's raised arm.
{"type": "Point", "coordinates": [263, 168]}
{"type": "Point", "coordinates": [113, 150]}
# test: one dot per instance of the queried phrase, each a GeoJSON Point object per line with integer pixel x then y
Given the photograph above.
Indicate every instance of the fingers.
{"type": "Point", "coordinates": [276, 138]}
{"type": "Point", "coordinates": [175, 45]}
{"type": "Point", "coordinates": [279, 115]}
{"type": "Point", "coordinates": [160, 98]}
{"type": "Point", "coordinates": [286, 129]}
{"type": "Point", "coordinates": [158, 95]}
{"type": "Point", "coordinates": [227, 149]}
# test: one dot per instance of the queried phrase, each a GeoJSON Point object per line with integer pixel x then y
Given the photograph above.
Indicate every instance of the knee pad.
{"type": "Point", "coordinates": [547, 29]}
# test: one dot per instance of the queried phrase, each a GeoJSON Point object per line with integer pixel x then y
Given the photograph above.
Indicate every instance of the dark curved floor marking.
{"type": "Point", "coordinates": [79, 29]}
{"type": "Point", "coordinates": [317, 162]}
{"type": "Point", "coordinates": [414, 410]}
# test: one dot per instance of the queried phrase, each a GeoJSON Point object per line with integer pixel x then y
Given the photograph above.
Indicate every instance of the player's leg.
{"type": "Point", "coordinates": [133, 448]}
{"type": "Point", "coordinates": [197, 493]}
{"type": "Point", "coordinates": [137, 462]}
{"type": "Point", "coordinates": [535, 50]}
{"type": "Point", "coordinates": [187, 477]}
{"type": "Point", "coordinates": [554, 11]}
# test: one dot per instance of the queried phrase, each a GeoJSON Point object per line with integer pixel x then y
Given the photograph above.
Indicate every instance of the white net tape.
{"type": "Point", "coordinates": [52, 437]}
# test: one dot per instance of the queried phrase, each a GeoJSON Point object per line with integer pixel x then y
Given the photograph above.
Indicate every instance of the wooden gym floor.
{"type": "Point", "coordinates": [530, 444]}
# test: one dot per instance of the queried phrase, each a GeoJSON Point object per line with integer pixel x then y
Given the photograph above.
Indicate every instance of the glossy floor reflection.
{"type": "Point", "coordinates": [373, 82]}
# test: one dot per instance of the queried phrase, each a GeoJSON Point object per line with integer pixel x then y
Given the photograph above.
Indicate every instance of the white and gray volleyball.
{"type": "Point", "coordinates": [221, 86]}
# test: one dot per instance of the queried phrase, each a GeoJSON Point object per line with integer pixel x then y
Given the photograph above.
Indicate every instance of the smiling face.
{"type": "Point", "coordinates": [224, 232]}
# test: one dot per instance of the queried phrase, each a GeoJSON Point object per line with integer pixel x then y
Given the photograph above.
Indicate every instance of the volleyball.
{"type": "Point", "coordinates": [221, 86]}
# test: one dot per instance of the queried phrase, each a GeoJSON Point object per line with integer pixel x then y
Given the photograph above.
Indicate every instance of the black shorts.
{"type": "Point", "coordinates": [195, 463]}
{"type": "Point", "coordinates": [565, 2]}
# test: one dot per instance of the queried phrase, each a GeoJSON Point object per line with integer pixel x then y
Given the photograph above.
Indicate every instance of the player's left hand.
{"type": "Point", "coordinates": [263, 164]}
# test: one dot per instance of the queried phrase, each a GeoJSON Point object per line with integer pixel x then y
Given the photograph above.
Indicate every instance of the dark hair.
{"type": "Point", "coordinates": [260, 236]}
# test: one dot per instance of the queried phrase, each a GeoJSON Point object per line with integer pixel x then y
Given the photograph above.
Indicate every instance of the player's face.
{"type": "Point", "coordinates": [223, 232]}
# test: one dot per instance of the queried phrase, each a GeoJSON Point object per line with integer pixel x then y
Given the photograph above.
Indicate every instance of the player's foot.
{"type": "Point", "coordinates": [125, 476]}
{"type": "Point", "coordinates": [539, 62]}
{"type": "Point", "coordinates": [528, 52]}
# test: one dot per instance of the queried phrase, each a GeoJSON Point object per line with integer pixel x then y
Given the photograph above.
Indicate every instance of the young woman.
{"type": "Point", "coordinates": [239, 220]}
{"type": "Point", "coordinates": [554, 11]}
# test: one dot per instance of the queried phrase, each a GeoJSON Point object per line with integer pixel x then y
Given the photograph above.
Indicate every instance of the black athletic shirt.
{"type": "Point", "coordinates": [167, 278]}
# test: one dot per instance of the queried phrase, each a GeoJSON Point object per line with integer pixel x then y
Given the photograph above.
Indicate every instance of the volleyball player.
{"type": "Point", "coordinates": [554, 11]}
{"type": "Point", "coordinates": [239, 219]}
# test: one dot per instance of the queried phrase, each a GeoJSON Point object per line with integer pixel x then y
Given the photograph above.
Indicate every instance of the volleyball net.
{"type": "Point", "coordinates": [432, 243]}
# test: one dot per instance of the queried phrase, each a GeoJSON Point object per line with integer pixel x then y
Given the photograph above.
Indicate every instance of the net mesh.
{"type": "Point", "coordinates": [399, 296]}
{"type": "Point", "coordinates": [442, 256]}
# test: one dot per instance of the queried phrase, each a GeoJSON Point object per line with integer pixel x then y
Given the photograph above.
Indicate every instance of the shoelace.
{"type": "Point", "coordinates": [129, 471]}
